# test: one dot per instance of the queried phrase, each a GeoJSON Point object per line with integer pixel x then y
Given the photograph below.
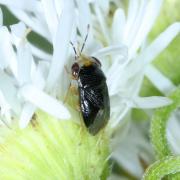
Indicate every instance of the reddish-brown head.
{"type": "Point", "coordinates": [75, 70]}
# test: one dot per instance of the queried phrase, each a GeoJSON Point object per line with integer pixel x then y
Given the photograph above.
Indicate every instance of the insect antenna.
{"type": "Point", "coordinates": [75, 52]}
{"type": "Point", "coordinates": [88, 27]}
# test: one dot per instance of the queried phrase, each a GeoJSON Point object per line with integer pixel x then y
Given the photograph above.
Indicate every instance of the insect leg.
{"type": "Point", "coordinates": [67, 94]}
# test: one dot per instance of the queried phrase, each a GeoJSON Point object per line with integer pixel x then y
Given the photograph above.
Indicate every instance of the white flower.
{"type": "Point", "coordinates": [173, 131]}
{"type": "Point", "coordinates": [119, 41]}
{"type": "Point", "coordinates": [22, 79]}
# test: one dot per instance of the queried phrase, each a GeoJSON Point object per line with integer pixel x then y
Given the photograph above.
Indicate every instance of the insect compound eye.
{"type": "Point", "coordinates": [97, 61]}
{"type": "Point", "coordinates": [75, 69]}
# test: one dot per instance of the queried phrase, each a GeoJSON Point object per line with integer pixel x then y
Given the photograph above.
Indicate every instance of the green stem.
{"type": "Point", "coordinates": [166, 166]}
{"type": "Point", "coordinates": [159, 125]}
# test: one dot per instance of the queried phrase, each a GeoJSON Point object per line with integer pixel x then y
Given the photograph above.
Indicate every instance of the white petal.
{"type": "Point", "coordinates": [61, 45]}
{"type": "Point", "coordinates": [39, 74]}
{"type": "Point", "coordinates": [51, 16]}
{"type": "Point", "coordinates": [154, 49]}
{"type": "Point", "coordinates": [1, 18]}
{"type": "Point", "coordinates": [173, 133]}
{"type": "Point", "coordinates": [30, 5]}
{"type": "Point", "coordinates": [18, 29]}
{"type": "Point", "coordinates": [7, 55]}
{"type": "Point", "coordinates": [118, 26]}
{"type": "Point", "coordinates": [119, 83]}
{"type": "Point", "coordinates": [118, 80]}
{"type": "Point", "coordinates": [26, 115]}
{"type": "Point", "coordinates": [117, 49]}
{"type": "Point", "coordinates": [25, 60]}
{"type": "Point", "coordinates": [159, 80]}
{"type": "Point", "coordinates": [160, 43]}
{"type": "Point", "coordinates": [151, 102]}
{"type": "Point", "coordinates": [103, 25]}
{"type": "Point", "coordinates": [149, 18]}
{"type": "Point", "coordinates": [114, 121]}
{"type": "Point", "coordinates": [127, 151]}
{"type": "Point", "coordinates": [84, 17]}
{"type": "Point", "coordinates": [40, 53]}
{"type": "Point", "coordinates": [5, 107]}
{"type": "Point", "coordinates": [59, 6]}
{"type": "Point", "coordinates": [132, 12]}
{"type": "Point", "coordinates": [104, 5]}
{"type": "Point", "coordinates": [36, 25]}
{"type": "Point", "coordinates": [137, 22]}
{"type": "Point", "coordinates": [18, 32]}
{"type": "Point", "coordinates": [10, 92]}
{"type": "Point", "coordinates": [44, 102]}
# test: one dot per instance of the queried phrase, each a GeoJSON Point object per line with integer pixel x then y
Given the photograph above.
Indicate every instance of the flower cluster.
{"type": "Point", "coordinates": [120, 46]}
{"type": "Point", "coordinates": [32, 79]}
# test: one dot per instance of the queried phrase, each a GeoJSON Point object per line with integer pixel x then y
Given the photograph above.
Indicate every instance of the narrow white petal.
{"type": "Point", "coordinates": [18, 32]}
{"type": "Point", "coordinates": [173, 133]}
{"type": "Point", "coordinates": [161, 42]}
{"type": "Point", "coordinates": [1, 17]}
{"type": "Point", "coordinates": [18, 29]}
{"type": "Point", "coordinates": [5, 107]}
{"type": "Point", "coordinates": [24, 63]}
{"type": "Point", "coordinates": [134, 145]}
{"type": "Point", "coordinates": [26, 114]}
{"type": "Point", "coordinates": [4, 48]}
{"type": "Point", "coordinates": [121, 84]}
{"type": "Point", "coordinates": [128, 159]}
{"type": "Point", "coordinates": [7, 55]}
{"type": "Point", "coordinates": [84, 17]}
{"type": "Point", "coordinates": [33, 23]}
{"type": "Point", "coordinates": [159, 80]}
{"type": "Point", "coordinates": [103, 25]}
{"type": "Point", "coordinates": [122, 113]}
{"type": "Point", "coordinates": [59, 6]}
{"type": "Point", "coordinates": [104, 5]}
{"type": "Point", "coordinates": [118, 80]}
{"type": "Point", "coordinates": [51, 16]}
{"type": "Point", "coordinates": [118, 26]}
{"type": "Point", "coordinates": [114, 78]}
{"type": "Point", "coordinates": [154, 49]}
{"type": "Point", "coordinates": [44, 102]}
{"type": "Point", "coordinates": [137, 23]}
{"type": "Point", "coordinates": [40, 53]}
{"type": "Point", "coordinates": [10, 92]}
{"type": "Point", "coordinates": [61, 45]}
{"type": "Point", "coordinates": [113, 70]}
{"type": "Point", "coordinates": [30, 5]}
{"type": "Point", "coordinates": [151, 102]}
{"type": "Point", "coordinates": [117, 49]}
{"type": "Point", "coordinates": [132, 13]}
{"type": "Point", "coordinates": [173, 141]}
{"type": "Point", "coordinates": [39, 74]}
{"type": "Point", "coordinates": [149, 18]}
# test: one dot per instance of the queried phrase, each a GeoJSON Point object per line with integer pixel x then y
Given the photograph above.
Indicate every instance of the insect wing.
{"type": "Point", "coordinates": [94, 100]}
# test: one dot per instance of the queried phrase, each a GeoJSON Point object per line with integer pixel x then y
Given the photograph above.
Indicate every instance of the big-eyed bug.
{"type": "Point", "coordinates": [93, 91]}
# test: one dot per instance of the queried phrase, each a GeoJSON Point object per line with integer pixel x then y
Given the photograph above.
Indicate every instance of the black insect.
{"type": "Point", "coordinates": [93, 91]}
